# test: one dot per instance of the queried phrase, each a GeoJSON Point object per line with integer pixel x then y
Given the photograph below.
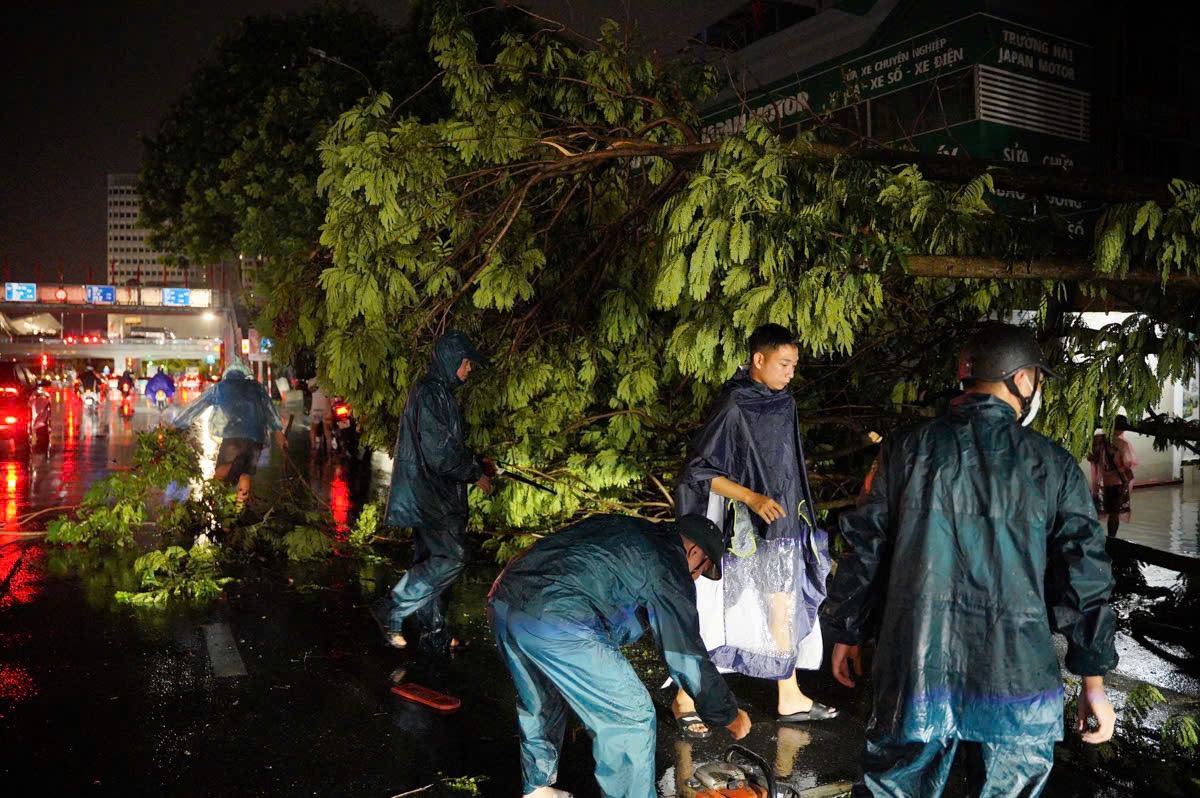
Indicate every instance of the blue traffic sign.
{"type": "Point", "coordinates": [20, 292]}
{"type": "Point", "coordinates": [177, 297]}
{"type": "Point", "coordinates": [101, 294]}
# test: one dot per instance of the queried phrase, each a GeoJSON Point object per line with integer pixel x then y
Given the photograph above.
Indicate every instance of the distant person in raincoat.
{"type": "Point", "coordinates": [1113, 462]}
{"type": "Point", "coordinates": [431, 471]}
{"type": "Point", "coordinates": [561, 613]}
{"type": "Point", "coordinates": [243, 417]}
{"type": "Point", "coordinates": [161, 381]}
{"type": "Point", "coordinates": [746, 472]}
{"type": "Point", "coordinates": [975, 542]}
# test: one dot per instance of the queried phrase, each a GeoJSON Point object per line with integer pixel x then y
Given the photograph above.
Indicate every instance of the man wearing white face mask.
{"type": "Point", "coordinates": [976, 541]}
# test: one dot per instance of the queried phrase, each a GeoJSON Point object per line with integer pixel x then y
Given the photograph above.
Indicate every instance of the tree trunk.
{"type": "Point", "coordinates": [962, 267]}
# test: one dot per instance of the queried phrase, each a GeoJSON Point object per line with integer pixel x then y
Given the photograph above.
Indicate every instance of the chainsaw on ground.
{"type": "Point", "coordinates": [740, 773]}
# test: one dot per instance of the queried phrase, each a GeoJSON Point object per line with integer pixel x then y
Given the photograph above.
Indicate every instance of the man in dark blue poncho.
{"type": "Point", "coordinates": [746, 473]}
{"type": "Point", "coordinates": [561, 612]}
{"type": "Point", "coordinates": [431, 471]}
{"type": "Point", "coordinates": [975, 539]}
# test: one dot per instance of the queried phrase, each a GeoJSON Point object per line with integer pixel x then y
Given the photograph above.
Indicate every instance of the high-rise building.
{"type": "Point", "coordinates": [130, 257]}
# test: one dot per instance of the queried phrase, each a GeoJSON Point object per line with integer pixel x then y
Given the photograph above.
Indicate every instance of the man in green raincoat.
{"type": "Point", "coordinates": [431, 471]}
{"type": "Point", "coordinates": [974, 541]}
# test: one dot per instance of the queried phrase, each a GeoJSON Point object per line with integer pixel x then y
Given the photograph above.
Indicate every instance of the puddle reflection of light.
{"type": "Point", "coordinates": [16, 685]}
{"type": "Point", "coordinates": [19, 572]}
{"type": "Point", "coordinates": [339, 502]}
{"type": "Point", "coordinates": [12, 482]}
{"type": "Point", "coordinates": [208, 444]}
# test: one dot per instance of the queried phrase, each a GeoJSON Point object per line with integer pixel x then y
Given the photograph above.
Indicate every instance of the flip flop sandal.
{"type": "Point", "coordinates": [818, 712]}
{"type": "Point", "coordinates": [692, 719]}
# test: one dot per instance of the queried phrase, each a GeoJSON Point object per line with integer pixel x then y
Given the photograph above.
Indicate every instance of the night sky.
{"type": "Point", "coordinates": [82, 81]}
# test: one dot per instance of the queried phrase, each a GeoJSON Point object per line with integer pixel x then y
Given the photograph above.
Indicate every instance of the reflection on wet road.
{"type": "Point", "coordinates": [104, 699]}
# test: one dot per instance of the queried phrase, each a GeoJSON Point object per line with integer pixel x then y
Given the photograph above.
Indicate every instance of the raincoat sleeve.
{"type": "Point", "coordinates": [441, 439]}
{"type": "Point", "coordinates": [676, 626]}
{"type": "Point", "coordinates": [857, 585]}
{"type": "Point", "coordinates": [716, 449]}
{"type": "Point", "coordinates": [1080, 579]}
{"type": "Point", "coordinates": [195, 408]}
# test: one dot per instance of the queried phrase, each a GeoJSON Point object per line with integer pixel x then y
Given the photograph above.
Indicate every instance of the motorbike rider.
{"type": "Point", "coordinates": [161, 381]}
{"type": "Point", "coordinates": [89, 380]}
{"type": "Point", "coordinates": [126, 383]}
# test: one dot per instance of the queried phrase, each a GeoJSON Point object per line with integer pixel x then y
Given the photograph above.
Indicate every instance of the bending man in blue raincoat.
{"type": "Point", "coordinates": [975, 539]}
{"type": "Point", "coordinates": [243, 417]}
{"type": "Point", "coordinates": [430, 474]}
{"type": "Point", "coordinates": [561, 612]}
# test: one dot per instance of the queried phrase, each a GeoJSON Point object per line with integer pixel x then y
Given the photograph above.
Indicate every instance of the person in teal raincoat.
{"type": "Point", "coordinates": [432, 468]}
{"type": "Point", "coordinates": [243, 418]}
{"type": "Point", "coordinates": [975, 541]}
{"type": "Point", "coordinates": [561, 613]}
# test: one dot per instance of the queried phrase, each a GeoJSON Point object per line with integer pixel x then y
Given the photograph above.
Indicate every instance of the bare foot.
{"type": "Point", "coordinates": [548, 792]}
{"type": "Point", "coordinates": [792, 705]}
{"type": "Point", "coordinates": [684, 705]}
{"type": "Point", "coordinates": [396, 640]}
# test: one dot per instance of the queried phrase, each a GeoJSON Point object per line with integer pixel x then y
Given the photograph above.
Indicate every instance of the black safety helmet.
{"type": "Point", "coordinates": [996, 353]}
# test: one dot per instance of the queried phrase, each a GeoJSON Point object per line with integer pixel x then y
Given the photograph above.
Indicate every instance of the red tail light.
{"type": "Point", "coordinates": [341, 411]}
{"type": "Point", "coordinates": [10, 419]}
{"type": "Point", "coordinates": [8, 389]}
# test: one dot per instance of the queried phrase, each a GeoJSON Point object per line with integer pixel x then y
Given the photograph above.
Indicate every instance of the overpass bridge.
{"type": "Point", "coordinates": [119, 350]}
{"type": "Point", "coordinates": [59, 299]}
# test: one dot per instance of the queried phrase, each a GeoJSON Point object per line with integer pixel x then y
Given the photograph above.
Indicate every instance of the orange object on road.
{"type": "Point", "coordinates": [439, 702]}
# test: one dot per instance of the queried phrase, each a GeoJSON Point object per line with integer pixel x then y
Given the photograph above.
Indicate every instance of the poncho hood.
{"type": "Point", "coordinates": [449, 351]}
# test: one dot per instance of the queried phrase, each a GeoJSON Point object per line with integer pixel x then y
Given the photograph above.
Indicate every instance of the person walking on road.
{"type": "Point", "coordinates": [431, 471]}
{"type": "Point", "coordinates": [976, 541]}
{"type": "Point", "coordinates": [243, 418]}
{"type": "Point", "coordinates": [1113, 462]}
{"type": "Point", "coordinates": [562, 611]}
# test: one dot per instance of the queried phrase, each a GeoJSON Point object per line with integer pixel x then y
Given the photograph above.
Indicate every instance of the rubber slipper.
{"type": "Point", "coordinates": [433, 699]}
{"type": "Point", "coordinates": [818, 712]}
{"type": "Point", "coordinates": [692, 719]}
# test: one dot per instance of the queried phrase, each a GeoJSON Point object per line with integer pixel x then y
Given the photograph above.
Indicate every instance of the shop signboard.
{"type": "Point", "coordinates": [977, 39]}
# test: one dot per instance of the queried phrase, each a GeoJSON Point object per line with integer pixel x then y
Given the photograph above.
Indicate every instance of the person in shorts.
{"type": "Point", "coordinates": [242, 417]}
{"type": "Point", "coordinates": [319, 419]}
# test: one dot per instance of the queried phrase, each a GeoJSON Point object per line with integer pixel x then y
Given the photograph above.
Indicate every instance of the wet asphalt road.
{"type": "Point", "coordinates": [102, 699]}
